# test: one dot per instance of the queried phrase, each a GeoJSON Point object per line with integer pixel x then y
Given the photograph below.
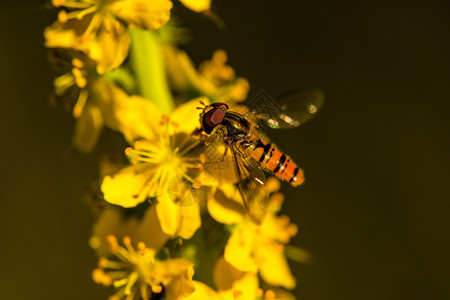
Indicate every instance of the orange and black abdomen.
{"type": "Point", "coordinates": [272, 159]}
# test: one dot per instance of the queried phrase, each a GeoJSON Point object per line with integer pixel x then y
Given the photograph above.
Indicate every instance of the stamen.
{"type": "Point", "coordinates": [156, 289]}
{"type": "Point", "coordinates": [58, 3]}
{"type": "Point", "coordinates": [80, 80]}
{"type": "Point", "coordinates": [195, 143]}
{"type": "Point", "coordinates": [141, 246]}
{"type": "Point", "coordinates": [132, 278]}
{"type": "Point", "coordinates": [86, 11]}
{"type": "Point", "coordinates": [71, 4]}
{"type": "Point", "coordinates": [181, 145]}
{"type": "Point", "coordinates": [237, 294]}
{"type": "Point", "coordinates": [120, 282]}
{"type": "Point", "coordinates": [197, 184]}
{"type": "Point", "coordinates": [134, 160]}
{"type": "Point", "coordinates": [79, 105]}
{"type": "Point", "coordinates": [77, 63]}
{"type": "Point", "coordinates": [100, 277]}
{"type": "Point", "coordinates": [62, 83]}
{"type": "Point", "coordinates": [144, 291]}
{"type": "Point", "coordinates": [63, 16]}
{"type": "Point", "coordinates": [259, 293]}
{"type": "Point", "coordinates": [165, 118]}
{"type": "Point", "coordinates": [93, 26]}
{"type": "Point", "coordinates": [270, 295]}
{"type": "Point", "coordinates": [112, 243]}
{"type": "Point", "coordinates": [128, 151]}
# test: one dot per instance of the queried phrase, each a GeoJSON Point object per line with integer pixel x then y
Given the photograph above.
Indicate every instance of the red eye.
{"type": "Point", "coordinates": [212, 118]}
{"type": "Point", "coordinates": [220, 105]}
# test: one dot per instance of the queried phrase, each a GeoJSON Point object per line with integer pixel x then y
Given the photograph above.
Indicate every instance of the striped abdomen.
{"type": "Point", "coordinates": [272, 159]}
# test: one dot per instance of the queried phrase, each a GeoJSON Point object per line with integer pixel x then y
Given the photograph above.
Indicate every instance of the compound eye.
{"type": "Point", "coordinates": [220, 105]}
{"type": "Point", "coordinates": [212, 118]}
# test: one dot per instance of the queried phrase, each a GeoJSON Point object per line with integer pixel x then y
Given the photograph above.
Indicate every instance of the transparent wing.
{"type": "Point", "coordinates": [290, 110]}
{"type": "Point", "coordinates": [184, 190]}
{"type": "Point", "coordinates": [251, 185]}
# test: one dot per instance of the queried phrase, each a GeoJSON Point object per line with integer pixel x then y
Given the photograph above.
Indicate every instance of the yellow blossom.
{"type": "Point", "coordinates": [252, 247]}
{"type": "Point", "coordinates": [137, 274]}
{"type": "Point", "coordinates": [112, 221]}
{"type": "Point", "coordinates": [233, 284]}
{"type": "Point", "coordinates": [96, 26]}
{"type": "Point", "coordinates": [164, 167]}
{"type": "Point", "coordinates": [107, 104]}
{"type": "Point", "coordinates": [214, 79]}
{"type": "Point", "coordinates": [97, 102]}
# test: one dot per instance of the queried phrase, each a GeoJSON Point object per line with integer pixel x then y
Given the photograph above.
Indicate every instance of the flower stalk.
{"type": "Point", "coordinates": [148, 65]}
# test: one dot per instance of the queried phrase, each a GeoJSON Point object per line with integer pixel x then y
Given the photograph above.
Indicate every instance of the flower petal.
{"type": "Point", "coordinates": [87, 128]}
{"type": "Point", "coordinates": [224, 210]}
{"type": "Point", "coordinates": [235, 284]}
{"type": "Point", "coordinates": [134, 116]}
{"type": "Point", "coordinates": [144, 14]}
{"type": "Point", "coordinates": [239, 249]}
{"type": "Point", "coordinates": [128, 187]}
{"type": "Point", "coordinates": [273, 266]}
{"type": "Point", "coordinates": [197, 5]}
{"type": "Point", "coordinates": [68, 34]}
{"type": "Point", "coordinates": [187, 114]}
{"type": "Point", "coordinates": [110, 48]}
{"type": "Point", "coordinates": [202, 291]}
{"type": "Point", "coordinates": [176, 220]}
{"type": "Point", "coordinates": [181, 271]}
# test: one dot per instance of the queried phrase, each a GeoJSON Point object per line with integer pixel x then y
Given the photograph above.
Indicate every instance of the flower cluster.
{"type": "Point", "coordinates": [167, 227]}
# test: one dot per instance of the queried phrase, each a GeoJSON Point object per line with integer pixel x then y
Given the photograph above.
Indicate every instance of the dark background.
{"type": "Point", "coordinates": [374, 209]}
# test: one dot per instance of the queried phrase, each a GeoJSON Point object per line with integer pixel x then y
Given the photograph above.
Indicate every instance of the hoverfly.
{"type": "Point", "coordinates": [251, 151]}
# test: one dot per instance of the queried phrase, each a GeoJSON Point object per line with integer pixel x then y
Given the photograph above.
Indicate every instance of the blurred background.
{"type": "Point", "coordinates": [374, 210]}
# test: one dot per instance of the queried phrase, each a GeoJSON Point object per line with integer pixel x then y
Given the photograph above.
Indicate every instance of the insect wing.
{"type": "Point", "coordinates": [183, 192]}
{"type": "Point", "coordinates": [288, 111]}
{"type": "Point", "coordinates": [251, 185]}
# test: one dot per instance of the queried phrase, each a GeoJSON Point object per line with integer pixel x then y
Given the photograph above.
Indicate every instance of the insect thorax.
{"type": "Point", "coordinates": [235, 129]}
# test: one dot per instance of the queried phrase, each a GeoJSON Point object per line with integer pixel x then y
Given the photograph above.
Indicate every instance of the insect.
{"type": "Point", "coordinates": [251, 151]}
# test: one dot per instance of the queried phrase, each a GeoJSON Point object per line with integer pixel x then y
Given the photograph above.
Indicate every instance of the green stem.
{"type": "Point", "coordinates": [147, 62]}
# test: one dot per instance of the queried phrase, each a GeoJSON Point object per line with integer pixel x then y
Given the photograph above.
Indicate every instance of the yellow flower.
{"type": "Point", "coordinates": [113, 222]}
{"type": "Point", "coordinates": [107, 104]}
{"type": "Point", "coordinates": [95, 26]}
{"type": "Point", "coordinates": [233, 284]}
{"type": "Point", "coordinates": [118, 221]}
{"type": "Point", "coordinates": [214, 79]}
{"type": "Point", "coordinates": [164, 167]}
{"type": "Point", "coordinates": [138, 275]}
{"type": "Point", "coordinates": [76, 90]}
{"type": "Point", "coordinates": [252, 247]}
{"type": "Point", "coordinates": [97, 102]}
